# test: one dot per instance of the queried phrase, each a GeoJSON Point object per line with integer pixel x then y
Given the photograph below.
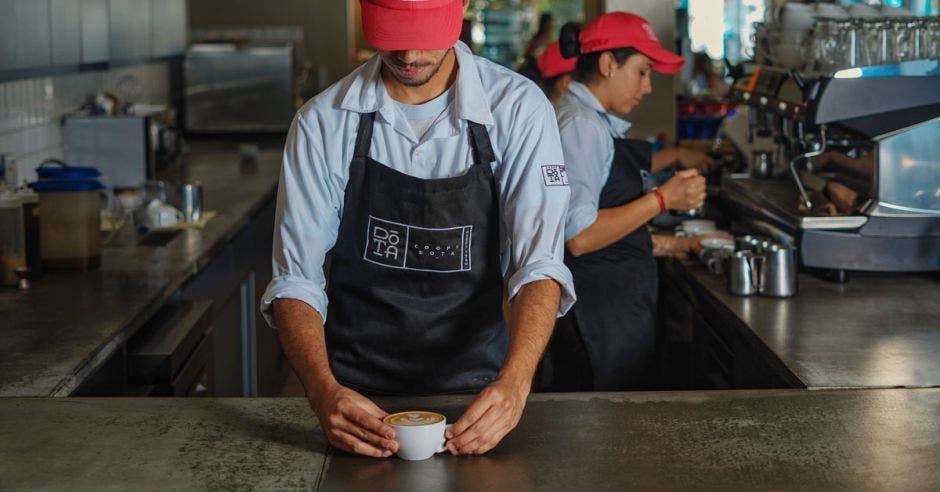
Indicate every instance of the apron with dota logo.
{"type": "Point", "coordinates": [414, 286]}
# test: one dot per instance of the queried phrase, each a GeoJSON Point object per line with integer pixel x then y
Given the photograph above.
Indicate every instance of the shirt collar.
{"type": "Point", "coordinates": [618, 126]}
{"type": "Point", "coordinates": [365, 92]}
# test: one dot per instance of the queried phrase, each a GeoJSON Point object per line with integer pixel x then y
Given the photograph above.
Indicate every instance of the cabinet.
{"type": "Point", "coordinates": [66, 32]}
{"type": "Point", "coordinates": [25, 41]}
{"type": "Point", "coordinates": [209, 339]}
{"type": "Point", "coordinates": [96, 33]}
{"type": "Point", "coordinates": [172, 354]}
{"type": "Point", "coordinates": [41, 37]}
{"type": "Point", "coordinates": [130, 29]}
{"type": "Point", "coordinates": [704, 347]}
{"type": "Point", "coordinates": [168, 31]}
{"type": "Point", "coordinates": [247, 355]}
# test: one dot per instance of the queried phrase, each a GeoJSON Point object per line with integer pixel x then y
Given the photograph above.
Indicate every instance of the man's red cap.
{"type": "Point", "coordinates": [392, 25]}
{"type": "Point", "coordinates": [552, 64]}
{"type": "Point", "coordinates": [624, 30]}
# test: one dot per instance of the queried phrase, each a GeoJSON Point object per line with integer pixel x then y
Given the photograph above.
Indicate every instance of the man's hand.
{"type": "Point", "coordinates": [353, 423]}
{"type": "Point", "coordinates": [494, 412]}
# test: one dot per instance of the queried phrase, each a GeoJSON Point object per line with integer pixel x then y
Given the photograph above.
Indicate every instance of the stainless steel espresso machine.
{"type": "Point", "coordinates": [853, 178]}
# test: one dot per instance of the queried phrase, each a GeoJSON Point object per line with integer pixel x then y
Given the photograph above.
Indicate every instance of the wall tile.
{"type": "Point", "coordinates": [31, 110]}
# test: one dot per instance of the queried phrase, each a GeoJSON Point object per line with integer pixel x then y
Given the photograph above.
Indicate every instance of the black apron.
{"type": "Point", "coordinates": [607, 340]}
{"type": "Point", "coordinates": [415, 287]}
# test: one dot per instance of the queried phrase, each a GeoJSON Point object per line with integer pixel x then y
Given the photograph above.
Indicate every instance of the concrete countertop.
{"type": "Point", "coordinates": [740, 440]}
{"type": "Point", "coordinates": [877, 330]}
{"type": "Point", "coordinates": [68, 323]}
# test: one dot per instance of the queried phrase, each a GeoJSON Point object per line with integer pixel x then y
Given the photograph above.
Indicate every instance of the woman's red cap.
{"type": "Point", "coordinates": [625, 30]}
{"type": "Point", "coordinates": [552, 64]}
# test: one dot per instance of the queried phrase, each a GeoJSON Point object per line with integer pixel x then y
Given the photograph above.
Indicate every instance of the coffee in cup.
{"type": "Point", "coordinates": [420, 434]}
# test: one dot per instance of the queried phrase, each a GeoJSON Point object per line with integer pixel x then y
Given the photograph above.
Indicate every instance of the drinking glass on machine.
{"type": "Point", "coordinates": [903, 36]}
{"type": "Point", "coordinates": [872, 42]}
{"type": "Point", "coordinates": [849, 37]}
{"type": "Point", "coordinates": [826, 54]}
{"type": "Point", "coordinates": [930, 38]}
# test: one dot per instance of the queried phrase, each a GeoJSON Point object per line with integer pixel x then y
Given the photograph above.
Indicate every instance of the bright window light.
{"type": "Point", "coordinates": [707, 27]}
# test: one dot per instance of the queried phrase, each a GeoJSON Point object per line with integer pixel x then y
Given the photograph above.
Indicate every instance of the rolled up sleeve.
{"type": "Point", "coordinates": [534, 196]}
{"type": "Point", "coordinates": [586, 146]}
{"type": "Point", "coordinates": [309, 202]}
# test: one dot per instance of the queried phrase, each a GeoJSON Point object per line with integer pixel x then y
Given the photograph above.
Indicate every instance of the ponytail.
{"type": "Point", "coordinates": [569, 40]}
{"type": "Point", "coordinates": [586, 69]}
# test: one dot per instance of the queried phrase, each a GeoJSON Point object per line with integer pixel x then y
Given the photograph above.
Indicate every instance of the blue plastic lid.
{"type": "Point", "coordinates": [67, 173]}
{"type": "Point", "coordinates": [66, 185]}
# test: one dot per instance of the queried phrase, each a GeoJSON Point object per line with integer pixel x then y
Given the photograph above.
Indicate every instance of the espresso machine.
{"type": "Point", "coordinates": [872, 131]}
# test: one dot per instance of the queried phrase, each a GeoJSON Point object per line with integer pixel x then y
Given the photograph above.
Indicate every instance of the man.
{"type": "Point", "coordinates": [433, 178]}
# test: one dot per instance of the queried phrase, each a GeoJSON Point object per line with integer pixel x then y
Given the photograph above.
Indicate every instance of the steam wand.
{"type": "Point", "coordinates": [796, 175]}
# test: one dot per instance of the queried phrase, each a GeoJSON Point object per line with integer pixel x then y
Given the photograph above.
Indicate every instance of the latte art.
{"type": "Point", "coordinates": [413, 418]}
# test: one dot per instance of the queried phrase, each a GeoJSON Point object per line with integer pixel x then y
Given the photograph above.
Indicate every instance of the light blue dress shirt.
{"type": "Point", "coordinates": [533, 192]}
{"type": "Point", "coordinates": [587, 139]}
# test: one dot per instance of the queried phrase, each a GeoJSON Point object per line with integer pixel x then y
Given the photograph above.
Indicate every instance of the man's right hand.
{"type": "Point", "coordinates": [684, 191]}
{"type": "Point", "coordinates": [353, 423]}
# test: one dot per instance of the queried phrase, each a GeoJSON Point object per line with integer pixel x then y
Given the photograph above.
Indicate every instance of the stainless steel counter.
{"type": "Point", "coordinates": [878, 330]}
{"type": "Point", "coordinates": [764, 439]}
{"type": "Point", "coordinates": [68, 323]}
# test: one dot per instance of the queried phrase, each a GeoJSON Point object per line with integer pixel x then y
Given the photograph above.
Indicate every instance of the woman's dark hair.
{"type": "Point", "coordinates": [545, 21]}
{"type": "Point", "coordinates": [586, 69]}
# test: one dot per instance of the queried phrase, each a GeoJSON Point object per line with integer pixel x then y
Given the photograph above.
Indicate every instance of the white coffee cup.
{"type": "Point", "coordinates": [420, 434]}
{"type": "Point", "coordinates": [695, 227]}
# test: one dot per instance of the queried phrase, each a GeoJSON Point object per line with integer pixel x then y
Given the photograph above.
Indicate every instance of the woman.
{"type": "Point", "coordinates": [555, 72]}
{"type": "Point", "coordinates": [607, 341]}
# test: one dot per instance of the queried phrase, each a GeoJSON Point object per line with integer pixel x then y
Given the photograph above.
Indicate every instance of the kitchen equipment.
{"type": "Point", "coordinates": [870, 129]}
{"type": "Point", "coordinates": [12, 239]}
{"type": "Point", "coordinates": [762, 164]}
{"type": "Point", "coordinates": [31, 229]}
{"type": "Point", "coordinates": [747, 242]}
{"type": "Point", "coordinates": [128, 150]}
{"type": "Point", "coordinates": [70, 201]}
{"type": "Point", "coordinates": [715, 253]}
{"type": "Point", "coordinates": [743, 273]}
{"type": "Point", "coordinates": [154, 190]}
{"type": "Point", "coordinates": [239, 87]}
{"type": "Point", "coordinates": [8, 171]}
{"type": "Point", "coordinates": [778, 272]}
{"type": "Point", "coordinates": [192, 201]}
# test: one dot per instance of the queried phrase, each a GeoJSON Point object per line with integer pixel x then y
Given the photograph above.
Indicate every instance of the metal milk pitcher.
{"type": "Point", "coordinates": [778, 275]}
{"type": "Point", "coordinates": [744, 273]}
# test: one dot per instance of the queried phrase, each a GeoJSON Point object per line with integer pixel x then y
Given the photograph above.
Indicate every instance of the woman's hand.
{"type": "Point", "coordinates": [683, 248]}
{"type": "Point", "coordinates": [684, 191]}
{"type": "Point", "coordinates": [693, 159]}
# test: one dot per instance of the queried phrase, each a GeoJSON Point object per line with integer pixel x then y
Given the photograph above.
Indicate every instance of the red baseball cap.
{"type": "Point", "coordinates": [625, 30]}
{"type": "Point", "coordinates": [552, 64]}
{"type": "Point", "coordinates": [391, 25]}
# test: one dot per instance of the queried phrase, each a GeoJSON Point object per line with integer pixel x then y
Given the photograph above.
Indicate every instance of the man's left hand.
{"type": "Point", "coordinates": [494, 412]}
